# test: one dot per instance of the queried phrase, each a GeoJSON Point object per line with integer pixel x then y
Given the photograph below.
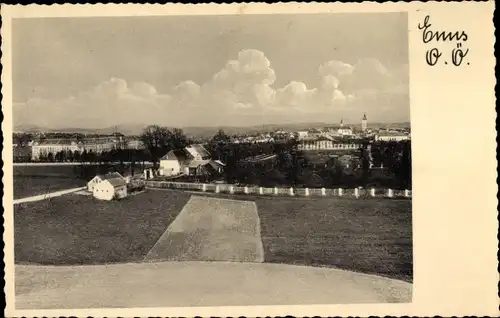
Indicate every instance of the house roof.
{"type": "Point", "coordinates": [178, 154]}
{"type": "Point", "coordinates": [197, 149]}
{"type": "Point", "coordinates": [114, 178]}
{"type": "Point", "coordinates": [116, 182]}
{"type": "Point", "coordinates": [111, 175]}
{"type": "Point", "coordinates": [197, 163]}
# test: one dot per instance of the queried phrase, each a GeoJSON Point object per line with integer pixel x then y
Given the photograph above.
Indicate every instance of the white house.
{"type": "Point", "coordinates": [101, 177]}
{"type": "Point", "coordinates": [175, 162]}
{"type": "Point", "coordinates": [109, 189]}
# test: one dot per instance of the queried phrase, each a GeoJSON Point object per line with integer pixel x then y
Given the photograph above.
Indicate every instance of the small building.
{"type": "Point", "coordinates": [110, 188]}
{"type": "Point", "coordinates": [101, 177]}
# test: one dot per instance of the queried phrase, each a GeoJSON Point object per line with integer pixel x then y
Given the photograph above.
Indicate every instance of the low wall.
{"type": "Point", "coordinates": [304, 192]}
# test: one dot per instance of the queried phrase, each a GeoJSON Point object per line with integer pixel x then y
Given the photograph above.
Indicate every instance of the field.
{"type": "Point", "coordinates": [76, 229]}
{"type": "Point", "coordinates": [33, 180]}
{"type": "Point", "coordinates": [370, 236]}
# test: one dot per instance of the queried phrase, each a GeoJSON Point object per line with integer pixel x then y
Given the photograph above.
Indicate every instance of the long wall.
{"type": "Point", "coordinates": [316, 192]}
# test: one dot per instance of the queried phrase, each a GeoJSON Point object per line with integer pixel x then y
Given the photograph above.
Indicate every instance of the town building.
{"type": "Point", "coordinates": [97, 145]}
{"type": "Point", "coordinates": [324, 144]}
{"type": "Point", "coordinates": [302, 134]}
{"type": "Point", "coordinates": [52, 146]}
{"type": "Point", "coordinates": [391, 136]}
{"type": "Point", "coordinates": [109, 187]}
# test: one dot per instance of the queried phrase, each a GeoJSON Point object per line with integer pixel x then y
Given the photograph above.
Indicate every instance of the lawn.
{"type": "Point", "coordinates": [370, 236]}
{"type": "Point", "coordinates": [33, 185]}
{"type": "Point", "coordinates": [76, 229]}
{"type": "Point", "coordinates": [366, 235]}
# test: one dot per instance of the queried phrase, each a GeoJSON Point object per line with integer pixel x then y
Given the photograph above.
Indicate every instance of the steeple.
{"type": "Point", "coordinates": [341, 122]}
{"type": "Point", "coordinates": [364, 123]}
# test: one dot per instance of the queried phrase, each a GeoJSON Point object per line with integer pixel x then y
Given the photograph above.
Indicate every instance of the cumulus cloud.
{"type": "Point", "coordinates": [243, 88]}
{"type": "Point", "coordinates": [295, 95]}
{"type": "Point", "coordinates": [108, 103]}
{"type": "Point", "coordinates": [246, 80]}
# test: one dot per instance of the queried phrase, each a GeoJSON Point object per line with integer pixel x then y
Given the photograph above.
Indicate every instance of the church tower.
{"type": "Point", "coordinates": [364, 123]}
{"type": "Point", "coordinates": [341, 122]}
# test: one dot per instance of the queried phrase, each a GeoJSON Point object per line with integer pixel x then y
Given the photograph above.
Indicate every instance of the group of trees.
{"type": "Point", "coordinates": [115, 155]}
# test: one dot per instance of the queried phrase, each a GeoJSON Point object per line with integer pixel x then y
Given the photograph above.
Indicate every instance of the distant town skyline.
{"type": "Point", "coordinates": [190, 71]}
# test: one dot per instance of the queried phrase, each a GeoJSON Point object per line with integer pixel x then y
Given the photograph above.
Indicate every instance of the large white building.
{"type": "Point", "coordinates": [324, 144]}
{"type": "Point", "coordinates": [52, 146]}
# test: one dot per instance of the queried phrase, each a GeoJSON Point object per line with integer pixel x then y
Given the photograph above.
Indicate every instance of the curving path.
{"type": "Point", "coordinates": [182, 284]}
{"type": "Point", "coordinates": [47, 195]}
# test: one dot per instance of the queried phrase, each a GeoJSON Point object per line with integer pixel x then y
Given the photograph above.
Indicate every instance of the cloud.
{"type": "Point", "coordinates": [109, 103]}
{"type": "Point", "coordinates": [246, 80]}
{"type": "Point", "coordinates": [242, 90]}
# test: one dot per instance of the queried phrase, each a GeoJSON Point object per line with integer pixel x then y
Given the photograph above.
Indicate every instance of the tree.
{"type": "Point", "coordinates": [365, 165]}
{"type": "Point", "coordinates": [77, 156]}
{"type": "Point", "coordinates": [159, 140]}
{"type": "Point", "coordinates": [50, 157]}
{"type": "Point", "coordinates": [177, 139]}
{"type": "Point", "coordinates": [220, 137]}
{"type": "Point", "coordinates": [156, 139]}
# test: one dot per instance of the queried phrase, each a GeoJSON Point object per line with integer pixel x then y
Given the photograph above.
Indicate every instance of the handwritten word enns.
{"type": "Point", "coordinates": [429, 35]}
{"type": "Point", "coordinates": [434, 54]}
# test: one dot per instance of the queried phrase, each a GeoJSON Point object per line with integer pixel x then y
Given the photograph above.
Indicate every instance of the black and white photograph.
{"type": "Point", "coordinates": [212, 160]}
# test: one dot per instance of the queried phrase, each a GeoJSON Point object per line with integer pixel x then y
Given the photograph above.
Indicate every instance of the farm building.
{"type": "Point", "coordinates": [110, 188]}
{"type": "Point", "coordinates": [193, 160]}
{"type": "Point", "coordinates": [101, 177]}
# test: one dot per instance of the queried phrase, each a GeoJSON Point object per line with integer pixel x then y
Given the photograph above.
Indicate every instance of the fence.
{"type": "Point", "coordinates": [303, 192]}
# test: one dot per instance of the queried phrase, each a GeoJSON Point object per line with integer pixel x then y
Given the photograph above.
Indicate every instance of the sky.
{"type": "Point", "coordinates": [235, 70]}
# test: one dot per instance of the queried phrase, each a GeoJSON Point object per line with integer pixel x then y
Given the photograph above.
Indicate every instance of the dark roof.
{"type": "Point", "coordinates": [111, 175]}
{"type": "Point", "coordinates": [117, 182]}
{"type": "Point", "coordinates": [114, 178]}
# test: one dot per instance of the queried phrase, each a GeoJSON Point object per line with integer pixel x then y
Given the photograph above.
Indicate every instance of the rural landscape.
{"type": "Point", "coordinates": [127, 186]}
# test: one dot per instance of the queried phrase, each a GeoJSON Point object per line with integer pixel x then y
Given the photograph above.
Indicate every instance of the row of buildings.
{"type": "Point", "coordinates": [320, 137]}
{"type": "Point", "coordinates": [37, 149]}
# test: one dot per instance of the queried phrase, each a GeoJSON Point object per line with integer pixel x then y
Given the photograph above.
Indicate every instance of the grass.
{"type": "Point", "coordinates": [33, 185]}
{"type": "Point", "coordinates": [77, 229]}
{"type": "Point", "coordinates": [370, 236]}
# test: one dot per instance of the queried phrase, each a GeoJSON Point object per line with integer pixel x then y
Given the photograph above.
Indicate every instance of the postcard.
{"type": "Point", "coordinates": [250, 159]}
